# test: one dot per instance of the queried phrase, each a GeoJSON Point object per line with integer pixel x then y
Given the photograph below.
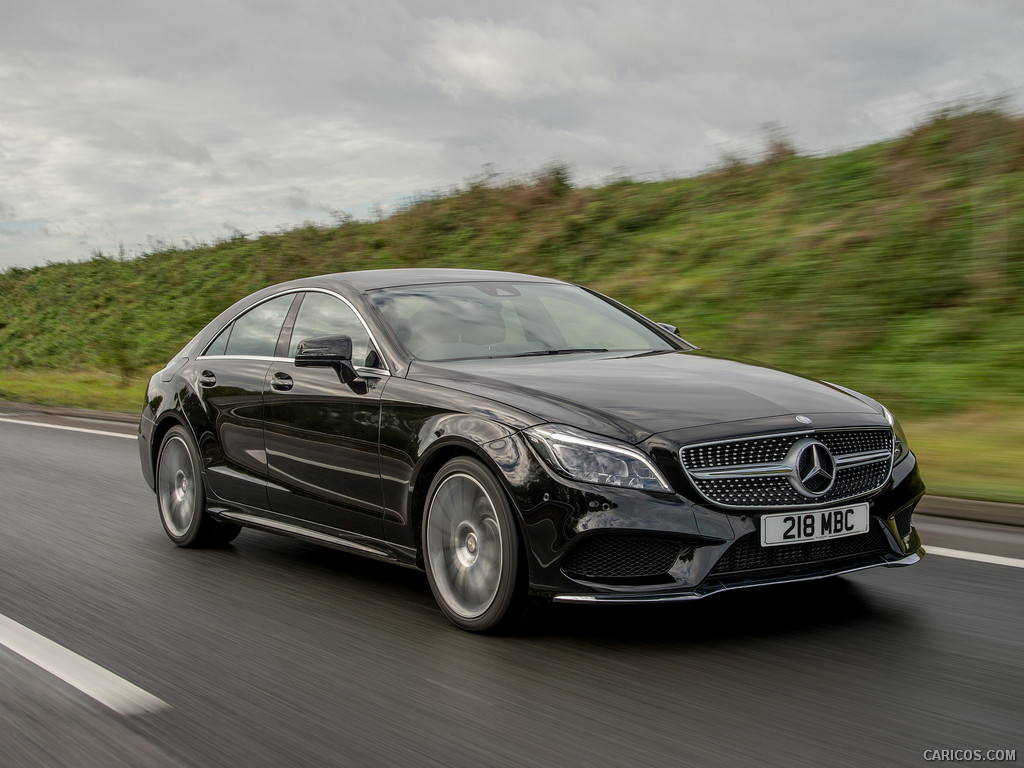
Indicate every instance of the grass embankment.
{"type": "Point", "coordinates": [897, 269]}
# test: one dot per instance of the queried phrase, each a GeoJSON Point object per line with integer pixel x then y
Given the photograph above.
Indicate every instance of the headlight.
{"type": "Point", "coordinates": [584, 457]}
{"type": "Point", "coordinates": [901, 449]}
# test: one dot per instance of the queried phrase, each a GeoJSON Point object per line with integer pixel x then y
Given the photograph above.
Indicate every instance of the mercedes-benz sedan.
{"type": "Point", "coordinates": [518, 437]}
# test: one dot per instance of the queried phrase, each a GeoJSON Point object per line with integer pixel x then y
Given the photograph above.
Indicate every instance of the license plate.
{"type": "Point", "coordinates": [795, 527]}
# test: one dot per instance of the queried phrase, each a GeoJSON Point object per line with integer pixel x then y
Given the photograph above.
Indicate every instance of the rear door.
{"type": "Point", "coordinates": [232, 373]}
{"type": "Point", "coordinates": [322, 437]}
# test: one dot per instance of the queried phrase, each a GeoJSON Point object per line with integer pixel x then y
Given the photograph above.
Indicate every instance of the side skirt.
{"type": "Point", "coordinates": [376, 550]}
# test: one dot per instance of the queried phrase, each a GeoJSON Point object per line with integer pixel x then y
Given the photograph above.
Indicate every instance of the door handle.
{"type": "Point", "coordinates": [282, 382]}
{"type": "Point", "coordinates": [207, 379]}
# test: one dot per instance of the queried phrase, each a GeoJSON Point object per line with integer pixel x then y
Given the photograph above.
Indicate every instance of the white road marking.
{"type": "Point", "coordinates": [91, 679]}
{"type": "Point", "coordinates": [977, 557]}
{"type": "Point", "coordinates": [69, 429]}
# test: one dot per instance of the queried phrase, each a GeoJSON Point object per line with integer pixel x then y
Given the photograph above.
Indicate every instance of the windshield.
{"type": "Point", "coordinates": [458, 321]}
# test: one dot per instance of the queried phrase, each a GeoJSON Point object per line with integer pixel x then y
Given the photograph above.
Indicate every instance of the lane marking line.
{"type": "Point", "coordinates": [69, 429]}
{"type": "Point", "coordinates": [977, 557]}
{"type": "Point", "coordinates": [91, 679]}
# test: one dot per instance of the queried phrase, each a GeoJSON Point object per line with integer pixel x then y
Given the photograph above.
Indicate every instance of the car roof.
{"type": "Point", "coordinates": [360, 282]}
{"type": "Point", "coordinates": [371, 280]}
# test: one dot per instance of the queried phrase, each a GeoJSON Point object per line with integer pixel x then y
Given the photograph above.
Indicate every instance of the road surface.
{"type": "Point", "coordinates": [273, 652]}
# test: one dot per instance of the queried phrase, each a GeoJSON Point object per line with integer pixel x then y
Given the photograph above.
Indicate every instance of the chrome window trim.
{"type": "Point", "coordinates": [360, 369]}
{"type": "Point", "coordinates": [740, 471]}
{"type": "Point", "coordinates": [373, 339]}
{"type": "Point", "coordinates": [264, 358]}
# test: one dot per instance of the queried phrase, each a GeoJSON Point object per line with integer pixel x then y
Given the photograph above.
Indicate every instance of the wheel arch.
{"type": "Point", "coordinates": [431, 463]}
{"type": "Point", "coordinates": [180, 406]}
{"type": "Point", "coordinates": [429, 466]}
{"type": "Point", "coordinates": [167, 421]}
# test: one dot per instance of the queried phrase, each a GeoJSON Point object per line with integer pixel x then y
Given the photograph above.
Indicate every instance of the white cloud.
{"type": "Point", "coordinates": [510, 62]}
{"type": "Point", "coordinates": [128, 123]}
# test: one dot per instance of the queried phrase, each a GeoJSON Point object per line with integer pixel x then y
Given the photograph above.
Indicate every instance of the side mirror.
{"type": "Point", "coordinates": [324, 352]}
{"type": "Point", "coordinates": [331, 352]}
{"type": "Point", "coordinates": [670, 328]}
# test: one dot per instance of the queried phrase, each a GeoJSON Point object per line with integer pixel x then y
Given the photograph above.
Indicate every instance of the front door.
{"type": "Point", "coordinates": [321, 436]}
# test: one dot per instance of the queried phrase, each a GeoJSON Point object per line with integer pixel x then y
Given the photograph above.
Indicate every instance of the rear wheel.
{"type": "Point", "coordinates": [181, 496]}
{"type": "Point", "coordinates": [471, 548]}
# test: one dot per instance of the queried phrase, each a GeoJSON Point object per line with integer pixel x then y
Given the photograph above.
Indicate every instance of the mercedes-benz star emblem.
{"type": "Point", "coordinates": [814, 469]}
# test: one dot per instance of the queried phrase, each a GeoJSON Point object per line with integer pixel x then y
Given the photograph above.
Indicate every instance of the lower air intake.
{"type": "Point", "coordinates": [621, 557]}
{"type": "Point", "coordinates": [747, 554]}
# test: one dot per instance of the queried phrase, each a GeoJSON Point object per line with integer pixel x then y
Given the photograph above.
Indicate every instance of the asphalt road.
{"type": "Point", "coordinates": [277, 653]}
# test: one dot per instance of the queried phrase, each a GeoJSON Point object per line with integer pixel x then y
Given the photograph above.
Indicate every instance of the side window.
{"type": "Point", "coordinates": [255, 333]}
{"type": "Point", "coordinates": [217, 347]}
{"type": "Point", "coordinates": [323, 315]}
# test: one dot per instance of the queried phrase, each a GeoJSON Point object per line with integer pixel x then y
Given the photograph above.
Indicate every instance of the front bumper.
{"type": "Point", "coordinates": [712, 586]}
{"type": "Point", "coordinates": [568, 528]}
{"type": "Point", "coordinates": [145, 444]}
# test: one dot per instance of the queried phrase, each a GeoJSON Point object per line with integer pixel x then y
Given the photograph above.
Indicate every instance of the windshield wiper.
{"type": "Point", "coordinates": [566, 351]}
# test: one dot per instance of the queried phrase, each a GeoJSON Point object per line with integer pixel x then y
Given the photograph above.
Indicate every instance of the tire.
{"type": "Point", "coordinates": [471, 549]}
{"type": "Point", "coordinates": [181, 495]}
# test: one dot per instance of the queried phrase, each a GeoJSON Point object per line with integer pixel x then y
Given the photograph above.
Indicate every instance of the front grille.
{"type": "Point", "coordinates": [842, 442]}
{"type": "Point", "coordinates": [903, 521]}
{"type": "Point", "coordinates": [621, 557]}
{"type": "Point", "coordinates": [776, 490]}
{"type": "Point", "coordinates": [747, 554]}
{"type": "Point", "coordinates": [779, 492]}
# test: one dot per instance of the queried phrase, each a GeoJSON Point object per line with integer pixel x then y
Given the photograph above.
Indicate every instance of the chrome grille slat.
{"type": "Point", "coordinates": [748, 470]}
{"type": "Point", "coordinates": [751, 473]}
{"type": "Point", "coordinates": [867, 457]}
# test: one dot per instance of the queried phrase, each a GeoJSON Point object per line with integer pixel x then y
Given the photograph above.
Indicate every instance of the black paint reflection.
{"type": "Point", "coordinates": [321, 443]}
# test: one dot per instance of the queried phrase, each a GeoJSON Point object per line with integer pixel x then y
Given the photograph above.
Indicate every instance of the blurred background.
{"type": "Point", "coordinates": [837, 190]}
{"type": "Point", "coordinates": [895, 268]}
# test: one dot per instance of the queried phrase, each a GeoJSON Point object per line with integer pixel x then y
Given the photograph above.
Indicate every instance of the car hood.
{"type": "Point", "coordinates": [632, 397]}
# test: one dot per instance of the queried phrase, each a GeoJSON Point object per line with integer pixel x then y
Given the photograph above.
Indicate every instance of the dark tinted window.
{"type": "Point", "coordinates": [255, 333]}
{"type": "Point", "coordinates": [217, 347]}
{"type": "Point", "coordinates": [324, 315]}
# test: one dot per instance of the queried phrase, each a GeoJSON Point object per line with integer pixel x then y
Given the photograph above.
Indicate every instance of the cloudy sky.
{"type": "Point", "coordinates": [129, 123]}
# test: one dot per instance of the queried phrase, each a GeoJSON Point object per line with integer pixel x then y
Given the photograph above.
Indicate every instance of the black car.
{"type": "Point", "coordinates": [518, 436]}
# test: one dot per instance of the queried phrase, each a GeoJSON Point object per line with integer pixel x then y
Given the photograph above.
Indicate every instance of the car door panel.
{"type": "Point", "coordinates": [322, 449]}
{"type": "Point", "coordinates": [321, 435]}
{"type": "Point", "coordinates": [233, 449]}
{"type": "Point", "coordinates": [229, 381]}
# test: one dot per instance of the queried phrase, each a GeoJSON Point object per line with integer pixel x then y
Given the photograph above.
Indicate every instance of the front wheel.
{"type": "Point", "coordinates": [471, 548]}
{"type": "Point", "coordinates": [181, 497]}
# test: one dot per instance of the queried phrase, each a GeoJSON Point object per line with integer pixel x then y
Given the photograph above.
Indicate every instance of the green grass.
{"type": "Point", "coordinates": [77, 389]}
{"type": "Point", "coordinates": [896, 269]}
{"type": "Point", "coordinates": [87, 389]}
{"type": "Point", "coordinates": [975, 454]}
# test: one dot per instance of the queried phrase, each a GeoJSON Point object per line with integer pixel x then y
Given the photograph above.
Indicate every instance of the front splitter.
{"type": "Point", "coordinates": [711, 589]}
